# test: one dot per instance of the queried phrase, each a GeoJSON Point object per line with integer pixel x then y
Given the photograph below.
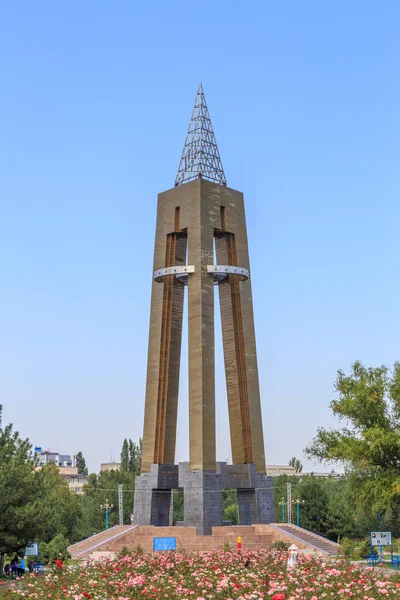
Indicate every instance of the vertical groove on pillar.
{"type": "Point", "coordinates": [170, 346]}
{"type": "Point", "coordinates": [174, 354]}
{"type": "Point", "coordinates": [234, 351]}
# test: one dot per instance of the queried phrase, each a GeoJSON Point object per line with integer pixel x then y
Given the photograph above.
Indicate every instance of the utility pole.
{"type": "Point", "coordinates": [282, 505]}
{"type": "Point", "coordinates": [120, 504]}
{"type": "Point", "coordinates": [289, 502]}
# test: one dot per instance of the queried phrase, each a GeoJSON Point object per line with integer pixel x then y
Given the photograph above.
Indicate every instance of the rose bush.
{"type": "Point", "coordinates": [236, 575]}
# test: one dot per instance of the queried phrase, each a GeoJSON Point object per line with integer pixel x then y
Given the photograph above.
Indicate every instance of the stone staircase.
{"type": "Point", "coordinates": [296, 534]}
{"type": "Point", "coordinates": [253, 537]}
{"type": "Point", "coordinates": [96, 542]}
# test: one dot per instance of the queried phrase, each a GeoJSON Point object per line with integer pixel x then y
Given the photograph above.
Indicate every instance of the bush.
{"type": "Point", "coordinates": [347, 547]}
{"type": "Point", "coordinates": [124, 552]}
{"type": "Point", "coordinates": [231, 514]}
{"type": "Point", "coordinates": [227, 547]}
{"type": "Point", "coordinates": [396, 545]}
{"type": "Point", "coordinates": [57, 548]}
{"type": "Point", "coordinates": [279, 545]}
{"type": "Point", "coordinates": [365, 548]}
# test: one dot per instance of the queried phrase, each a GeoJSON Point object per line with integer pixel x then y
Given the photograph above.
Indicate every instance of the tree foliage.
{"type": "Point", "coordinates": [81, 464]}
{"type": "Point", "coordinates": [57, 510]}
{"type": "Point", "coordinates": [131, 456]}
{"type": "Point", "coordinates": [296, 464]}
{"type": "Point", "coordinates": [100, 488]}
{"type": "Point", "coordinates": [369, 443]}
{"type": "Point", "coordinates": [37, 504]}
{"type": "Point", "coordinates": [18, 490]}
{"type": "Point", "coordinates": [124, 460]}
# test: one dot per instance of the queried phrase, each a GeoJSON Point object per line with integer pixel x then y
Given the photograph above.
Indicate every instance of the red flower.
{"type": "Point", "coordinates": [280, 596]}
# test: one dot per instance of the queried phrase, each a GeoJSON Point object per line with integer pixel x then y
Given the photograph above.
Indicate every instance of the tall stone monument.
{"type": "Point", "coordinates": [201, 241]}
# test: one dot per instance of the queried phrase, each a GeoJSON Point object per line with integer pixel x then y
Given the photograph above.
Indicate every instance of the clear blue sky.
{"type": "Point", "coordinates": [95, 102]}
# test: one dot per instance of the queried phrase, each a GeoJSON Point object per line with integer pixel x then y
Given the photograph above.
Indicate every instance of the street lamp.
{"type": "Point", "coordinates": [282, 504]}
{"type": "Point", "coordinates": [298, 502]}
{"type": "Point", "coordinates": [106, 507]}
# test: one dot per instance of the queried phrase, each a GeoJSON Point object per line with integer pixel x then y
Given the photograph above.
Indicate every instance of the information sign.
{"type": "Point", "coordinates": [32, 549]}
{"type": "Point", "coordinates": [381, 538]}
{"type": "Point", "coordinates": [164, 543]}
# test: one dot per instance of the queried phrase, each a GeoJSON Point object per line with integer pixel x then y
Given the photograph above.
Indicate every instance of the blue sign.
{"type": "Point", "coordinates": [164, 543]}
{"type": "Point", "coordinates": [38, 449]}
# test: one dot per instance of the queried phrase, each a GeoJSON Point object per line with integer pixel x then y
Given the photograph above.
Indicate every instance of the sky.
{"type": "Point", "coordinates": [95, 103]}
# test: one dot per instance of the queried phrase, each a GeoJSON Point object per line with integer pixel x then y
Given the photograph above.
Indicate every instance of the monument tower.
{"type": "Point", "coordinates": [201, 241]}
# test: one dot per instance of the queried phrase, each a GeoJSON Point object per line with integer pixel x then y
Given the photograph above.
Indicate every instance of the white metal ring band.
{"type": "Point", "coordinates": [180, 272]}
{"type": "Point", "coordinates": [221, 272]}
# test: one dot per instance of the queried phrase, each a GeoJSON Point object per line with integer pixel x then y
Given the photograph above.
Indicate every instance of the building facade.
{"type": "Point", "coordinates": [66, 465]}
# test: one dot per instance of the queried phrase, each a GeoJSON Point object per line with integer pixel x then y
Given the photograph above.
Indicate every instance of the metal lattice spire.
{"type": "Point", "coordinates": [200, 156]}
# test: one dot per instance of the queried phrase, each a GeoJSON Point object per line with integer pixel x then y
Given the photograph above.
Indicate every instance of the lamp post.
{"type": "Point", "coordinates": [106, 507]}
{"type": "Point", "coordinates": [282, 504]}
{"type": "Point", "coordinates": [298, 502]}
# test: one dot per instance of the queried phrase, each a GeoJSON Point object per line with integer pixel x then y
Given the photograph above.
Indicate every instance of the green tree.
{"type": "Point", "coordinates": [18, 489]}
{"type": "Point", "coordinates": [100, 488]}
{"type": "Point", "coordinates": [135, 457]}
{"type": "Point", "coordinates": [139, 457]}
{"type": "Point", "coordinates": [369, 445]}
{"type": "Point", "coordinates": [57, 509]}
{"type": "Point", "coordinates": [125, 456]}
{"type": "Point", "coordinates": [178, 514]}
{"type": "Point", "coordinates": [81, 464]}
{"type": "Point", "coordinates": [132, 456]}
{"type": "Point", "coordinates": [296, 464]}
{"type": "Point", "coordinates": [230, 506]}
{"type": "Point", "coordinates": [340, 518]}
{"type": "Point", "coordinates": [313, 495]}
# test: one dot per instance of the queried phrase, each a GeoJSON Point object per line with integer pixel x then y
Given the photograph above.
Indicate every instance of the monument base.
{"type": "Point", "coordinates": [255, 492]}
{"type": "Point", "coordinates": [153, 495]}
{"type": "Point", "coordinates": [203, 495]}
{"type": "Point", "coordinates": [202, 498]}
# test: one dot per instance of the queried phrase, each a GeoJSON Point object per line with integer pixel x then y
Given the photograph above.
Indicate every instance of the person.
{"type": "Point", "coordinates": [292, 557]}
{"type": "Point", "coordinates": [21, 567]}
{"type": "Point", "coordinates": [7, 569]}
{"type": "Point", "coordinates": [14, 565]}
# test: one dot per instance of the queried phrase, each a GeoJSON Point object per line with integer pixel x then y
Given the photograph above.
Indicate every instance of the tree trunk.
{"type": "Point", "coordinates": [1, 562]}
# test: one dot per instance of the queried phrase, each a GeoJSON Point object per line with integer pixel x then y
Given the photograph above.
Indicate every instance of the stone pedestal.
{"type": "Point", "coordinates": [255, 492]}
{"type": "Point", "coordinates": [202, 498]}
{"type": "Point", "coordinates": [203, 495]}
{"type": "Point", "coordinates": [153, 495]}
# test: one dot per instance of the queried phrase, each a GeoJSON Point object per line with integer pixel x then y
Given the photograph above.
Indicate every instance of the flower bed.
{"type": "Point", "coordinates": [239, 575]}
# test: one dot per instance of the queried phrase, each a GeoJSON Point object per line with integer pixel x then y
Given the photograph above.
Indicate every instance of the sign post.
{"type": "Point", "coordinates": [32, 549]}
{"type": "Point", "coordinates": [380, 538]}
